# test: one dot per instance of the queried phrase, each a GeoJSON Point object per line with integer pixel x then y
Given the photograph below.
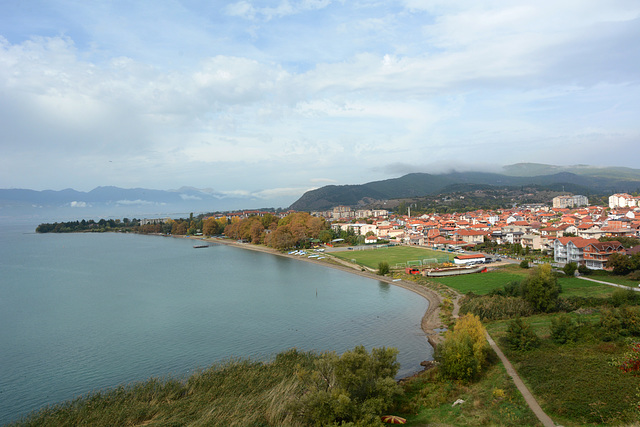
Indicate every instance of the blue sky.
{"type": "Point", "coordinates": [273, 98]}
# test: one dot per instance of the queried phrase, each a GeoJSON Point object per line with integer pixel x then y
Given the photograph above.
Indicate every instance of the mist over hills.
{"type": "Point", "coordinates": [581, 179]}
{"type": "Point", "coordinates": [114, 202]}
{"type": "Point", "coordinates": [108, 201]}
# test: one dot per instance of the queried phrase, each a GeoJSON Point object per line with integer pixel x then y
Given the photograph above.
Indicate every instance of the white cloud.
{"type": "Point", "coordinates": [76, 204]}
{"type": "Point", "coordinates": [311, 89]}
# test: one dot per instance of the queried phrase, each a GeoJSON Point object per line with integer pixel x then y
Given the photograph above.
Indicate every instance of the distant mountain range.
{"type": "Point", "coordinates": [115, 202]}
{"type": "Point", "coordinates": [580, 179]}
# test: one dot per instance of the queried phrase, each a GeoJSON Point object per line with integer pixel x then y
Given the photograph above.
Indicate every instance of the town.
{"type": "Point", "coordinates": [569, 230]}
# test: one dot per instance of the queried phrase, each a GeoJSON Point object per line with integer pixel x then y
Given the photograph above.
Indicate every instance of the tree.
{"type": "Point", "coordinates": [521, 337]}
{"type": "Point", "coordinates": [325, 236]}
{"type": "Point", "coordinates": [464, 351]}
{"type": "Point", "coordinates": [570, 269]}
{"type": "Point", "coordinates": [541, 288]}
{"type": "Point", "coordinates": [621, 264]}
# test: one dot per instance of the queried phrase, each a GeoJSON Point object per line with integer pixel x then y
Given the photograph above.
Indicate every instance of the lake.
{"type": "Point", "coordinates": [84, 312]}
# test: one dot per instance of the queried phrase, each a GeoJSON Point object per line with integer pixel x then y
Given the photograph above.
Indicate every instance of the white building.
{"type": "Point", "coordinates": [570, 201]}
{"type": "Point", "coordinates": [623, 200]}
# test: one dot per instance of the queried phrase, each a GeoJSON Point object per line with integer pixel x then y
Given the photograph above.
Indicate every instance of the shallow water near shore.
{"type": "Point", "coordinates": [83, 312]}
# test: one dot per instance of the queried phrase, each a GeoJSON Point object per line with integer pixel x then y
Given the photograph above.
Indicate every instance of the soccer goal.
{"type": "Point", "coordinates": [430, 261]}
{"type": "Point", "coordinates": [416, 263]}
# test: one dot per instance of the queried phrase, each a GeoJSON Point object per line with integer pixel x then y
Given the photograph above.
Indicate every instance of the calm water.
{"type": "Point", "coordinates": [82, 312]}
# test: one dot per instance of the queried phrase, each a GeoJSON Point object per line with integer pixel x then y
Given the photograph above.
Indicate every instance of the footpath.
{"type": "Point", "coordinates": [610, 284]}
{"type": "Point", "coordinates": [528, 397]}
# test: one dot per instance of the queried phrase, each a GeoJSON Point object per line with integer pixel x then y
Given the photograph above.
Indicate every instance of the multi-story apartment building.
{"type": "Point", "coordinates": [570, 201]}
{"type": "Point", "coordinates": [596, 255]}
{"type": "Point", "coordinates": [570, 249]}
{"type": "Point", "coordinates": [623, 200]}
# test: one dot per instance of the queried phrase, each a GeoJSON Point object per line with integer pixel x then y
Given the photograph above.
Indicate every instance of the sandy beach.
{"type": "Point", "coordinates": [430, 323]}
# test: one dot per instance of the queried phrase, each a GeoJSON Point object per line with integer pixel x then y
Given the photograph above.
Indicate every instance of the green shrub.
{"type": "Point", "coordinates": [584, 270]}
{"type": "Point", "coordinates": [513, 289]}
{"type": "Point", "coordinates": [496, 307]}
{"type": "Point", "coordinates": [570, 269]}
{"type": "Point", "coordinates": [383, 268]}
{"type": "Point", "coordinates": [610, 323]}
{"type": "Point", "coordinates": [521, 337]}
{"type": "Point", "coordinates": [620, 297]}
{"type": "Point", "coordinates": [563, 329]}
{"type": "Point", "coordinates": [524, 263]}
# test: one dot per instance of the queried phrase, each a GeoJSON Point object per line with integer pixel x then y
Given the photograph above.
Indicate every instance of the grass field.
{"type": "Point", "coordinates": [394, 255]}
{"type": "Point", "coordinates": [484, 283]}
{"type": "Point", "coordinates": [575, 383]}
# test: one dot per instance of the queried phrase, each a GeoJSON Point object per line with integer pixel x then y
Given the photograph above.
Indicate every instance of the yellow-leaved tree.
{"type": "Point", "coordinates": [463, 354]}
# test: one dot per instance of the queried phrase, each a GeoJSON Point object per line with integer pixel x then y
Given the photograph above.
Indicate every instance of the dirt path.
{"type": "Point", "coordinates": [528, 396]}
{"type": "Point", "coordinates": [610, 284]}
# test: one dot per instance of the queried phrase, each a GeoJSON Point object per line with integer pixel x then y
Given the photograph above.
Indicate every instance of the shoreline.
{"type": "Point", "coordinates": [430, 321]}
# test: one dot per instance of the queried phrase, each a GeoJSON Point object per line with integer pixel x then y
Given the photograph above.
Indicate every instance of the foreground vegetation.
{"type": "Point", "coordinates": [295, 389]}
{"type": "Point", "coordinates": [571, 373]}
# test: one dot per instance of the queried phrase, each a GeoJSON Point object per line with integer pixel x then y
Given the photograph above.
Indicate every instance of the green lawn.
{"type": "Point", "coordinates": [618, 280]}
{"type": "Point", "coordinates": [483, 283]}
{"type": "Point", "coordinates": [393, 255]}
{"type": "Point", "coordinates": [480, 283]}
{"type": "Point", "coordinates": [572, 286]}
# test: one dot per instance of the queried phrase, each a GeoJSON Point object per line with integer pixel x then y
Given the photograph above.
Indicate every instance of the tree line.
{"type": "Point", "coordinates": [298, 229]}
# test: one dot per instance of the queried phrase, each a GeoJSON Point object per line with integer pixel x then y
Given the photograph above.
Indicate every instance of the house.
{"type": "Point", "coordinates": [570, 249]}
{"type": "Point", "coordinates": [469, 236]}
{"type": "Point", "coordinates": [531, 241]}
{"type": "Point", "coordinates": [371, 239]}
{"type": "Point", "coordinates": [589, 231]}
{"type": "Point", "coordinates": [597, 254]}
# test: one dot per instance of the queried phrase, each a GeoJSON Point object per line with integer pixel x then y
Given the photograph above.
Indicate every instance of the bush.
{"type": "Point", "coordinates": [620, 297]}
{"type": "Point", "coordinates": [584, 270]}
{"type": "Point", "coordinates": [355, 387]}
{"type": "Point", "coordinates": [383, 268]}
{"type": "Point", "coordinates": [521, 337]}
{"type": "Point", "coordinates": [496, 307]}
{"type": "Point", "coordinates": [524, 263]}
{"type": "Point", "coordinates": [634, 275]}
{"type": "Point", "coordinates": [464, 351]}
{"type": "Point", "coordinates": [563, 329]}
{"type": "Point", "coordinates": [570, 269]}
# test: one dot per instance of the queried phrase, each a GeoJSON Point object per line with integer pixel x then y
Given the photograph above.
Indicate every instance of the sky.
{"type": "Point", "coordinates": [273, 98]}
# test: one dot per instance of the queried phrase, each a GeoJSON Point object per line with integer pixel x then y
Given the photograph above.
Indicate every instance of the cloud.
{"type": "Point", "coordinates": [138, 202]}
{"type": "Point", "coordinates": [228, 98]}
{"type": "Point", "coordinates": [323, 180]}
{"type": "Point", "coordinates": [245, 9]}
{"type": "Point", "coordinates": [76, 204]}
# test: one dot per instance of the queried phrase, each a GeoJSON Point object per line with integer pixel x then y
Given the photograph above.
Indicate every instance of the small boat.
{"type": "Point", "coordinates": [200, 246]}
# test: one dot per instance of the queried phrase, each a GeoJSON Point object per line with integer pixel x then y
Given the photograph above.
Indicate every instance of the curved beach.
{"type": "Point", "coordinates": [430, 320]}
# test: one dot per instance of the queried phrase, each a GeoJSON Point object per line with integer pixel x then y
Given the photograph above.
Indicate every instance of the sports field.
{"type": "Point", "coordinates": [395, 256]}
